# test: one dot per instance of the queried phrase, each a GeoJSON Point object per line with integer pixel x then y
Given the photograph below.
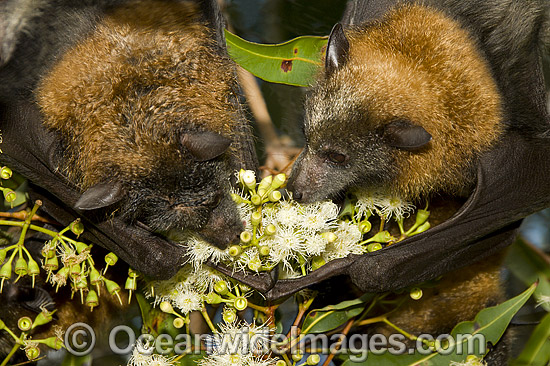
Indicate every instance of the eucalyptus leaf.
{"type": "Point", "coordinates": [332, 316]}
{"type": "Point", "coordinates": [537, 349]}
{"type": "Point", "coordinates": [490, 323]}
{"type": "Point", "coordinates": [191, 359]}
{"type": "Point", "coordinates": [529, 266]}
{"type": "Point", "coordinates": [294, 62]}
{"type": "Point", "coordinates": [72, 360]}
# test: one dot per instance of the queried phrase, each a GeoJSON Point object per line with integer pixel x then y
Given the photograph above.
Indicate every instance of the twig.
{"type": "Point", "coordinates": [21, 215]}
{"type": "Point", "coordinates": [337, 347]}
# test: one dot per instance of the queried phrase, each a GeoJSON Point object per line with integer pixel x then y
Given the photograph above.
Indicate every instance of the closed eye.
{"type": "Point", "coordinates": [337, 158]}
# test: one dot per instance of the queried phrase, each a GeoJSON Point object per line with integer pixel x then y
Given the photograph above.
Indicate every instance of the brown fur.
{"type": "Point", "coordinates": [419, 65]}
{"type": "Point", "coordinates": [148, 70]}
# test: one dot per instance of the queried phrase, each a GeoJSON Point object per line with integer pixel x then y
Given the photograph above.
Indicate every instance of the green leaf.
{"type": "Point", "coordinates": [191, 359]}
{"type": "Point", "coordinates": [490, 322]}
{"type": "Point", "coordinates": [537, 349]}
{"type": "Point", "coordinates": [71, 360]}
{"type": "Point", "coordinates": [529, 266]}
{"type": "Point", "coordinates": [333, 316]}
{"type": "Point", "coordinates": [294, 62]}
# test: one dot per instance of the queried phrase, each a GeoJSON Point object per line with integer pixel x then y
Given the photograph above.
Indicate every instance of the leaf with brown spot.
{"type": "Point", "coordinates": [294, 62]}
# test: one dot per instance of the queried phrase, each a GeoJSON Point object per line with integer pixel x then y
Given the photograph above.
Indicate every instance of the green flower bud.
{"type": "Point", "coordinates": [365, 227]}
{"type": "Point", "coordinates": [81, 247]}
{"type": "Point", "coordinates": [64, 273]}
{"type": "Point", "coordinates": [275, 196]}
{"type": "Point", "coordinates": [111, 259]}
{"type": "Point", "coordinates": [21, 267]}
{"type": "Point", "coordinates": [24, 323]}
{"type": "Point", "coordinates": [330, 237]}
{"type": "Point", "coordinates": [112, 287]}
{"type": "Point", "coordinates": [278, 181]}
{"type": "Point", "coordinates": [48, 253]}
{"type": "Point", "coordinates": [317, 262]}
{"type": "Point", "coordinates": [5, 173]}
{"type": "Point", "coordinates": [240, 303]}
{"type": "Point", "coordinates": [2, 324]}
{"type": "Point", "coordinates": [95, 277]}
{"type": "Point", "coordinates": [265, 183]}
{"type": "Point", "coordinates": [166, 307]}
{"type": "Point", "coordinates": [34, 269]}
{"type": "Point", "coordinates": [221, 287]}
{"type": "Point", "coordinates": [53, 343]}
{"type": "Point", "coordinates": [264, 250]}
{"type": "Point", "coordinates": [235, 250]}
{"type": "Point", "coordinates": [3, 253]}
{"type": "Point", "coordinates": [416, 293]}
{"type": "Point", "coordinates": [81, 283]}
{"type": "Point", "coordinates": [270, 230]}
{"type": "Point", "coordinates": [9, 195]}
{"type": "Point", "coordinates": [262, 193]}
{"type": "Point", "coordinates": [178, 323]}
{"type": "Point", "coordinates": [229, 315]}
{"type": "Point", "coordinates": [256, 200]}
{"type": "Point", "coordinates": [313, 360]}
{"type": "Point", "coordinates": [254, 265]}
{"type": "Point", "coordinates": [213, 298]}
{"type": "Point", "coordinates": [91, 300]}
{"type": "Point", "coordinates": [75, 270]}
{"type": "Point", "coordinates": [132, 273]}
{"type": "Point", "coordinates": [381, 237]}
{"type": "Point", "coordinates": [236, 198]}
{"type": "Point", "coordinates": [281, 363]}
{"type": "Point", "coordinates": [5, 271]}
{"type": "Point", "coordinates": [130, 284]}
{"type": "Point", "coordinates": [44, 317]}
{"type": "Point", "coordinates": [297, 356]}
{"type": "Point", "coordinates": [373, 247]}
{"type": "Point", "coordinates": [425, 226]}
{"type": "Point", "coordinates": [77, 227]}
{"type": "Point", "coordinates": [51, 264]}
{"type": "Point", "coordinates": [32, 352]}
{"type": "Point", "coordinates": [256, 218]}
{"type": "Point", "coordinates": [421, 217]}
{"type": "Point", "coordinates": [246, 237]}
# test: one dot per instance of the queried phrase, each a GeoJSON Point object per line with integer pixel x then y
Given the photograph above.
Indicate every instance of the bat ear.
{"type": "Point", "coordinates": [205, 145]}
{"type": "Point", "coordinates": [100, 195]}
{"type": "Point", "coordinates": [405, 135]}
{"type": "Point", "coordinates": [337, 49]}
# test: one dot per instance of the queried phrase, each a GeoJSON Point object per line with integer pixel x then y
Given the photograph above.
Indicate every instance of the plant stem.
{"type": "Point", "coordinates": [10, 355]}
{"type": "Point", "coordinates": [207, 319]}
{"type": "Point", "coordinates": [262, 309]}
{"type": "Point", "coordinates": [345, 331]}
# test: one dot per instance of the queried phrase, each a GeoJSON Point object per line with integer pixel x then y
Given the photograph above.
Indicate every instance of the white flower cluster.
{"type": "Point", "coordinates": [370, 202]}
{"type": "Point", "coordinates": [239, 344]}
{"type": "Point", "coordinates": [296, 237]}
{"type": "Point", "coordinates": [142, 355]}
{"type": "Point", "coordinates": [187, 290]}
{"type": "Point", "coordinates": [299, 233]}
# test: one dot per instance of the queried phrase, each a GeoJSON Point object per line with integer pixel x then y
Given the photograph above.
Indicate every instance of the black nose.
{"type": "Point", "coordinates": [297, 195]}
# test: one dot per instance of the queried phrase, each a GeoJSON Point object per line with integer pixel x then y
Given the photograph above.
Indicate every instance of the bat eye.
{"type": "Point", "coordinates": [337, 158]}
